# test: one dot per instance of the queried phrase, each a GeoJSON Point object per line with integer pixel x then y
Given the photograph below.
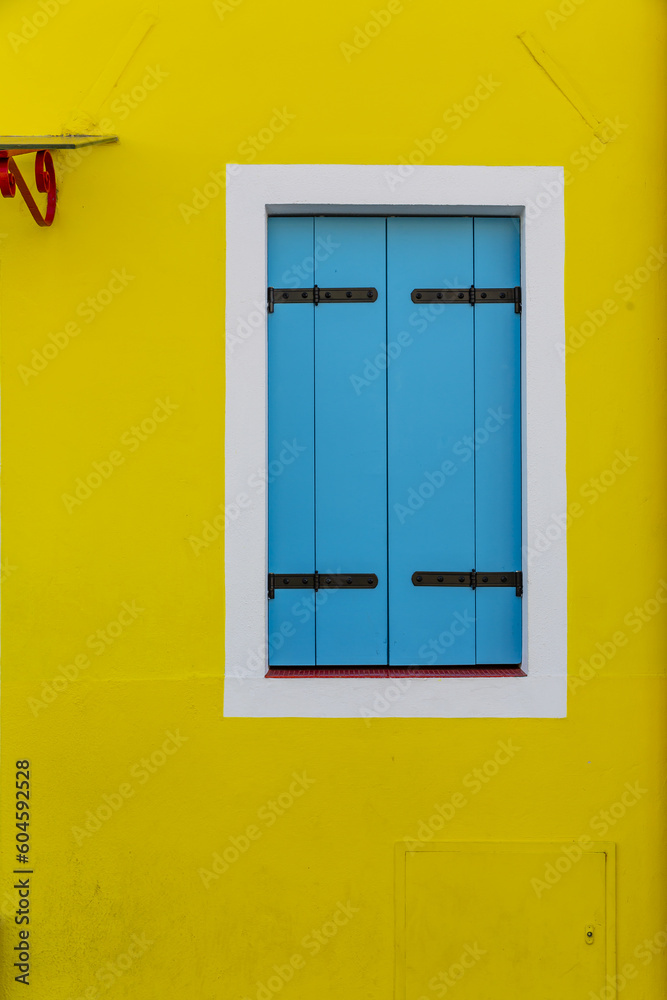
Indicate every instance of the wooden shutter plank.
{"type": "Point", "coordinates": [430, 417]}
{"type": "Point", "coordinates": [350, 434]}
{"type": "Point", "coordinates": [291, 488]}
{"type": "Point", "coordinates": [498, 441]}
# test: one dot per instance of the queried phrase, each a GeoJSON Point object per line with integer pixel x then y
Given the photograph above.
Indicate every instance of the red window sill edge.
{"type": "Point", "coordinates": [500, 671]}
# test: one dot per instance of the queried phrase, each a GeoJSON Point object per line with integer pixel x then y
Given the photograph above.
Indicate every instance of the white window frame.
{"type": "Point", "coordinates": [533, 194]}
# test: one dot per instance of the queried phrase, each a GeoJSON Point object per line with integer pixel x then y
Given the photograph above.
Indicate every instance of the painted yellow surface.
{"type": "Point", "coordinates": [483, 918]}
{"type": "Point", "coordinates": [177, 853]}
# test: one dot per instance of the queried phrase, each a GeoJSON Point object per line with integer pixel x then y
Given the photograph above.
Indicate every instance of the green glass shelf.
{"type": "Point", "coordinates": [28, 142]}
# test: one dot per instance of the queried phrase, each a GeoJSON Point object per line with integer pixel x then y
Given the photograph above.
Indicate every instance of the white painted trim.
{"type": "Point", "coordinates": [535, 194]}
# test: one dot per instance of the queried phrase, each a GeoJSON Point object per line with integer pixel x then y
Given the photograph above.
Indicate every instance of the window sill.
{"type": "Point", "coordinates": [303, 672]}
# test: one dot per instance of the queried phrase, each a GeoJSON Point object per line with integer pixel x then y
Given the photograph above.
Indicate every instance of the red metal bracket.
{"type": "Point", "coordinates": [45, 179]}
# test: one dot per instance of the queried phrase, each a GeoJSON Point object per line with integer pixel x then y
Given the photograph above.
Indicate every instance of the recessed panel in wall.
{"type": "Point", "coordinates": [495, 921]}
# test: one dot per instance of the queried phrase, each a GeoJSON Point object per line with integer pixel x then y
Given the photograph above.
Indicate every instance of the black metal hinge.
{"type": "Point", "coordinates": [472, 579]}
{"type": "Point", "coordinates": [316, 295]}
{"type": "Point", "coordinates": [473, 296]}
{"type": "Point", "coordinates": [321, 581]}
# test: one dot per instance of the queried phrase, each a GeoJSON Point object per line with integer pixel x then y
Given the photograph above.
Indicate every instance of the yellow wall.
{"type": "Point", "coordinates": [217, 73]}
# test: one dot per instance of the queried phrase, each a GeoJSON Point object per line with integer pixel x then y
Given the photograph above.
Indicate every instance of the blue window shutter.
{"type": "Point", "coordinates": [400, 467]}
{"type": "Point", "coordinates": [430, 428]}
{"type": "Point", "coordinates": [351, 445]}
{"type": "Point", "coordinates": [498, 440]}
{"type": "Point", "coordinates": [291, 456]}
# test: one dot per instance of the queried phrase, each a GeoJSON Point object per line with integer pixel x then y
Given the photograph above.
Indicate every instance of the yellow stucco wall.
{"type": "Point", "coordinates": [91, 703]}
